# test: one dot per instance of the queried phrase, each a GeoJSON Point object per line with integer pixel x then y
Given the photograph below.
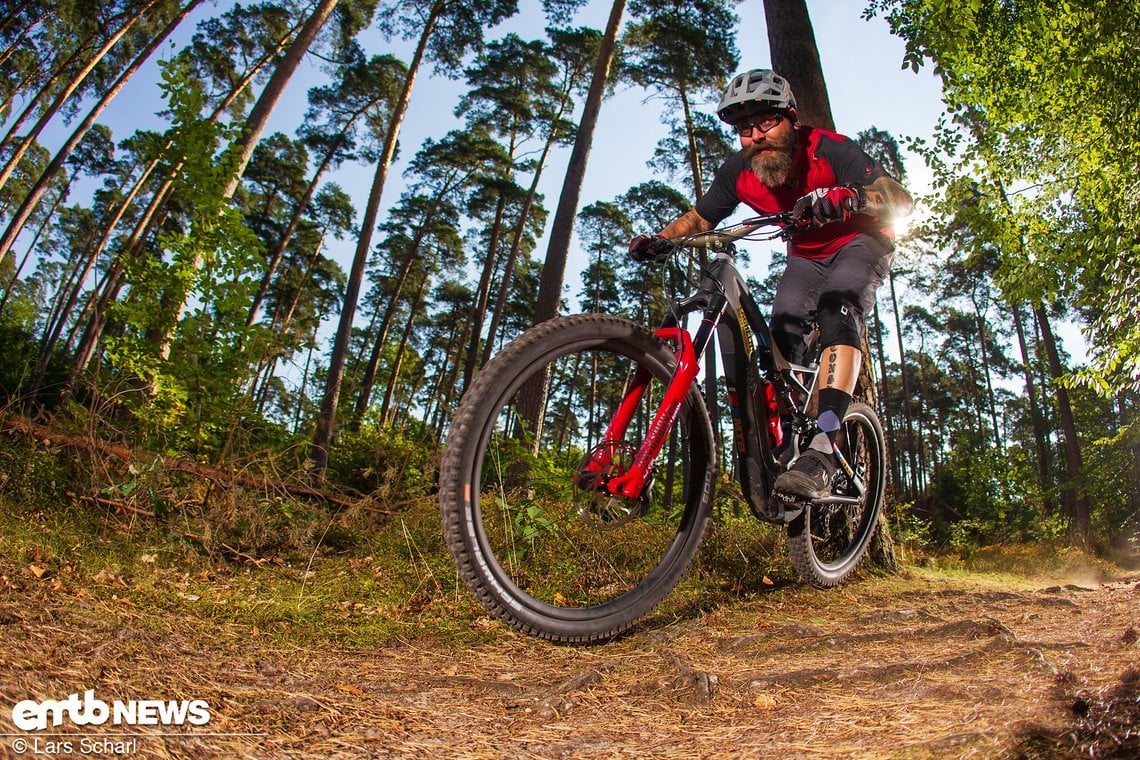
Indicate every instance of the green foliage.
{"type": "Point", "coordinates": [15, 373]}
{"type": "Point", "coordinates": [390, 463]}
{"type": "Point", "coordinates": [192, 364]}
{"type": "Point", "coordinates": [994, 497]}
{"type": "Point", "coordinates": [1043, 100]}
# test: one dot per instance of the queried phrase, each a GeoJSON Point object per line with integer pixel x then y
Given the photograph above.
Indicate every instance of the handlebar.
{"type": "Point", "coordinates": [725, 235]}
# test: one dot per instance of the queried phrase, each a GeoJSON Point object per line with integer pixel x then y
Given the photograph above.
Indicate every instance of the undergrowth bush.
{"type": "Point", "coordinates": [387, 462]}
{"type": "Point", "coordinates": [192, 504]}
{"type": "Point", "coordinates": [18, 382]}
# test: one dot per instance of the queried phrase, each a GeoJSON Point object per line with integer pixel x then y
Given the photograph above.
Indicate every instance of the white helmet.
{"type": "Point", "coordinates": [754, 91]}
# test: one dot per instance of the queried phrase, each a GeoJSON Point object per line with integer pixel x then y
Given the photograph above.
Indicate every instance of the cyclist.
{"type": "Point", "coordinates": [834, 266]}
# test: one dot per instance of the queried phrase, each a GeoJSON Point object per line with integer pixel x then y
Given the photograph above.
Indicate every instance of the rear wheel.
{"type": "Point", "coordinates": [534, 534]}
{"type": "Point", "coordinates": [830, 537]}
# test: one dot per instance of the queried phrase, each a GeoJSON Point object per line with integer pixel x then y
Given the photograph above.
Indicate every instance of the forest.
{"type": "Point", "coordinates": [174, 290]}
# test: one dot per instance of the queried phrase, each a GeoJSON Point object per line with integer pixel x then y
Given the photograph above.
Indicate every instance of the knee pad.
{"type": "Point", "coordinates": [840, 322]}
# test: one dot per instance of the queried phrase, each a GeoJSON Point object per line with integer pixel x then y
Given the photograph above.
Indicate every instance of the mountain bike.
{"type": "Point", "coordinates": [578, 475]}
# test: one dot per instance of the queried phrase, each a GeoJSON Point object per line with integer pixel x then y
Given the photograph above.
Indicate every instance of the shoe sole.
{"type": "Point", "coordinates": [798, 485]}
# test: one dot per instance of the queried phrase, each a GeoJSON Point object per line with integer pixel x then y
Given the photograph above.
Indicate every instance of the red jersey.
{"type": "Point", "coordinates": [827, 159]}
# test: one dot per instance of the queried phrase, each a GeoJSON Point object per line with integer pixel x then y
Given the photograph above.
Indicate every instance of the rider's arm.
{"type": "Point", "coordinates": [887, 199]}
{"type": "Point", "coordinates": [686, 224]}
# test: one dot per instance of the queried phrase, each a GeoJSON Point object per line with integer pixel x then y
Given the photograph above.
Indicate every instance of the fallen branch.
{"type": "Point", "coordinates": [125, 454]}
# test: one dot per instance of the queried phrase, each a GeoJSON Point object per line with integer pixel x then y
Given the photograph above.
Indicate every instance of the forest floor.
{"type": "Point", "coordinates": [925, 664]}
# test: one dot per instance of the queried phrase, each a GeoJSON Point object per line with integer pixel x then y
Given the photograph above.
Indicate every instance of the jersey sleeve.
{"type": "Point", "coordinates": [720, 200]}
{"type": "Point", "coordinates": [849, 161]}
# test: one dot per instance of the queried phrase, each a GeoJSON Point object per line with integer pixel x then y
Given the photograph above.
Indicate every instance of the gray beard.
{"type": "Point", "coordinates": [774, 169]}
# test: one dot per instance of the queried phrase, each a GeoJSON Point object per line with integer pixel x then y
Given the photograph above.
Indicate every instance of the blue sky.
{"type": "Point", "coordinates": [862, 64]}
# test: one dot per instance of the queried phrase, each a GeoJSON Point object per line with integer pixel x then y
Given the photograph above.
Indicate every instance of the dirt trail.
{"type": "Point", "coordinates": [929, 666]}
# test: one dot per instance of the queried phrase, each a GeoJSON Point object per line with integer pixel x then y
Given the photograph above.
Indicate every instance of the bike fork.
{"type": "Point", "coordinates": [631, 483]}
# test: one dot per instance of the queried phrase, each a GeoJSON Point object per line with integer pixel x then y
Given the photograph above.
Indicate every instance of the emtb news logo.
{"type": "Point", "coordinates": [31, 715]}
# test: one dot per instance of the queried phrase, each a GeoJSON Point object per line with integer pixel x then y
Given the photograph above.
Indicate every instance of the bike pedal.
{"type": "Point", "coordinates": [791, 499]}
{"type": "Point", "coordinates": [788, 506]}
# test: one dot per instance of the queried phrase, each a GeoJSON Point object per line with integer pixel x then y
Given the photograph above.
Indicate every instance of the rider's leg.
{"type": "Point", "coordinates": [840, 333]}
{"type": "Point", "coordinates": [851, 278]}
{"type": "Point", "coordinates": [839, 328]}
{"type": "Point", "coordinates": [793, 310]}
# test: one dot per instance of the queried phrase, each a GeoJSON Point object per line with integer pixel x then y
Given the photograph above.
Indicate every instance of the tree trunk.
{"type": "Point", "coordinates": [326, 420]}
{"type": "Point", "coordinates": [533, 397]}
{"type": "Point", "coordinates": [884, 400]}
{"type": "Point", "coordinates": [562, 229]}
{"type": "Point", "coordinates": [364, 395]}
{"type": "Point", "coordinates": [1044, 480]}
{"type": "Point", "coordinates": [94, 329]}
{"type": "Point", "coordinates": [393, 376]}
{"type": "Point", "coordinates": [483, 294]}
{"type": "Point", "coordinates": [1126, 411]}
{"type": "Point", "coordinates": [983, 344]}
{"type": "Point", "coordinates": [267, 101]}
{"type": "Point", "coordinates": [516, 245]}
{"type": "Point", "coordinates": [905, 392]}
{"type": "Point", "coordinates": [795, 57]}
{"type": "Point", "coordinates": [282, 321]}
{"type": "Point", "coordinates": [694, 155]}
{"type": "Point", "coordinates": [1074, 489]}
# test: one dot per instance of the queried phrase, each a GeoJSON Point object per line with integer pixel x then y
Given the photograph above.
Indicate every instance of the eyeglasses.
{"type": "Point", "coordinates": [764, 122]}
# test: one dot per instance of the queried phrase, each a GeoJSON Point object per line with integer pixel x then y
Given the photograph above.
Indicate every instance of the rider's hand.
{"type": "Point", "coordinates": [830, 204]}
{"type": "Point", "coordinates": [650, 248]}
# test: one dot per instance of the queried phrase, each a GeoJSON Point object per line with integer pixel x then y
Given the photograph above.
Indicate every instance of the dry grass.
{"type": "Point", "coordinates": [928, 665]}
{"type": "Point", "coordinates": [373, 648]}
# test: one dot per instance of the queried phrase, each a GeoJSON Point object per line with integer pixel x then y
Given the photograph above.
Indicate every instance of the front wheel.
{"type": "Point", "coordinates": [533, 532]}
{"type": "Point", "coordinates": [830, 537]}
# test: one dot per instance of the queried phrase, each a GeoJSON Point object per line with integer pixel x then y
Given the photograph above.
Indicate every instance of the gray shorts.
{"type": "Point", "coordinates": [850, 276]}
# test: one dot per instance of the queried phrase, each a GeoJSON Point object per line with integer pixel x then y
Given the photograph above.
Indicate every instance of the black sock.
{"type": "Point", "coordinates": [833, 405]}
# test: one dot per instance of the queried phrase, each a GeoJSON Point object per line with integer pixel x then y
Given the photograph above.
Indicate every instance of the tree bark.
{"type": "Point", "coordinates": [795, 57]}
{"type": "Point", "coordinates": [1043, 476]}
{"type": "Point", "coordinates": [326, 420]}
{"type": "Point", "coordinates": [364, 395]}
{"type": "Point", "coordinates": [267, 101]}
{"type": "Point", "coordinates": [1073, 489]}
{"type": "Point", "coordinates": [562, 229]}
{"type": "Point", "coordinates": [905, 392]}
{"type": "Point", "coordinates": [393, 376]}
{"type": "Point", "coordinates": [483, 294]}
{"type": "Point", "coordinates": [533, 398]}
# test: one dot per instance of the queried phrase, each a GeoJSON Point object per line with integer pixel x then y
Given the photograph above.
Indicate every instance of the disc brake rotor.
{"type": "Point", "coordinates": [597, 507]}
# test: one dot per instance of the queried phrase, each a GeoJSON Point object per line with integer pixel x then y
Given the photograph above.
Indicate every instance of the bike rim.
{"type": "Point", "coordinates": [546, 554]}
{"type": "Point", "coordinates": [839, 533]}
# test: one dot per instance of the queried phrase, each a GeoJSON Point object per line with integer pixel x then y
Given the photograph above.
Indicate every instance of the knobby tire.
{"type": "Point", "coordinates": [827, 542]}
{"type": "Point", "coordinates": [539, 552]}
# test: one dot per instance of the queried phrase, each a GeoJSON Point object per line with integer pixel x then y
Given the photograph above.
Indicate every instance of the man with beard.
{"type": "Point", "coordinates": [844, 201]}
